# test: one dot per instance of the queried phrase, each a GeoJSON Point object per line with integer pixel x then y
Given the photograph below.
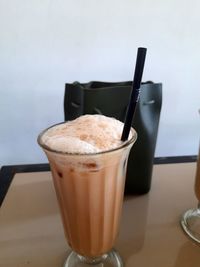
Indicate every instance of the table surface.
{"type": "Point", "coordinates": [31, 232]}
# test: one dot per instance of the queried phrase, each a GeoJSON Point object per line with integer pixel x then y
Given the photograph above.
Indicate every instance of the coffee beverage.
{"type": "Point", "coordinates": [88, 162]}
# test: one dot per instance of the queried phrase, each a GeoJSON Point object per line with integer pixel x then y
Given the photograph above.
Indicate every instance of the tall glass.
{"type": "Point", "coordinates": [190, 220]}
{"type": "Point", "coordinates": [90, 189]}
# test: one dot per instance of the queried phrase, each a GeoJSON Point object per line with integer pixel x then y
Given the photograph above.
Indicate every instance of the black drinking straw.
{"type": "Point", "coordinates": [141, 54]}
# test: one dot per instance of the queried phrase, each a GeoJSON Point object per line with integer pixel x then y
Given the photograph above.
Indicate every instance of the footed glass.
{"type": "Point", "coordinates": [190, 220]}
{"type": "Point", "coordinates": [90, 189]}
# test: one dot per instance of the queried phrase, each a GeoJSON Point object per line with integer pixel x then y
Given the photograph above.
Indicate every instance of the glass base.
{"type": "Point", "coordinates": [190, 223]}
{"type": "Point", "coordinates": [111, 259]}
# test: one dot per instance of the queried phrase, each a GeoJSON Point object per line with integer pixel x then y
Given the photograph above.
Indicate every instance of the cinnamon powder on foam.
{"type": "Point", "coordinates": [86, 134]}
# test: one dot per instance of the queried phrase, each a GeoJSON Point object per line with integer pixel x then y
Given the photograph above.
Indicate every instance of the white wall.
{"type": "Point", "coordinates": [44, 44]}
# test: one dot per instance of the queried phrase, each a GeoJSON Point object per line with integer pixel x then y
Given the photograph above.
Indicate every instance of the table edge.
{"type": "Point", "coordinates": [7, 172]}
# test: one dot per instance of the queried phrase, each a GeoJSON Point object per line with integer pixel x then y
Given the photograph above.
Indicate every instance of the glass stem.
{"type": "Point", "coordinates": [92, 261]}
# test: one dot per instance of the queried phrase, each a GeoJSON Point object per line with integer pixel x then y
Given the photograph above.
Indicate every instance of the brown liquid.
{"type": "Point", "coordinates": [90, 198]}
{"type": "Point", "coordinates": [197, 179]}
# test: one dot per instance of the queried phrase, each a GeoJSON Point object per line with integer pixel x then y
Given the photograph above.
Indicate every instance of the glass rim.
{"type": "Point", "coordinates": [123, 145]}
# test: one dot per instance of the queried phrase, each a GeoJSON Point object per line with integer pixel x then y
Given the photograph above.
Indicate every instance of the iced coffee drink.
{"type": "Point", "coordinates": [197, 178]}
{"type": "Point", "coordinates": [190, 220]}
{"type": "Point", "coordinates": [88, 163]}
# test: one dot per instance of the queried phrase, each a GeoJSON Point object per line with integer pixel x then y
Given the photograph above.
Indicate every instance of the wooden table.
{"type": "Point", "coordinates": [31, 232]}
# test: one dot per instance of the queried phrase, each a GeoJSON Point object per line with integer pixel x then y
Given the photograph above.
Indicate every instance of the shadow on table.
{"type": "Point", "coordinates": [188, 255]}
{"type": "Point", "coordinates": [133, 226]}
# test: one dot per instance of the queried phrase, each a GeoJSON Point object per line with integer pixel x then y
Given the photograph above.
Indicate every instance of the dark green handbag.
{"type": "Point", "coordinates": [111, 99]}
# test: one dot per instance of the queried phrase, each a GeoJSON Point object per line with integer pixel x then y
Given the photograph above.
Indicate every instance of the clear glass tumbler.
{"type": "Point", "coordinates": [90, 189]}
{"type": "Point", "coordinates": [190, 220]}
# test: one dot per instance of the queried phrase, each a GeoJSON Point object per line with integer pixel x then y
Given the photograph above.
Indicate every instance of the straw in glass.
{"type": "Point", "coordinates": [141, 55]}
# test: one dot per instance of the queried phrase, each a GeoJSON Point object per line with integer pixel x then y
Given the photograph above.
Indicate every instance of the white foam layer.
{"type": "Point", "coordinates": [86, 134]}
